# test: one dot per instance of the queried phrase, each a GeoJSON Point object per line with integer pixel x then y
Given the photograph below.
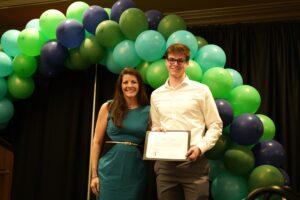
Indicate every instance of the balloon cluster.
{"type": "Point", "coordinates": [124, 36]}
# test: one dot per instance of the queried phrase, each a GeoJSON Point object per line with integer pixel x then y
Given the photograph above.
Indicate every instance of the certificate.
{"type": "Point", "coordinates": [169, 145]}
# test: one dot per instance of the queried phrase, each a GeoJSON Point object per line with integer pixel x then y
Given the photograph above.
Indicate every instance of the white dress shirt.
{"type": "Point", "coordinates": [189, 106]}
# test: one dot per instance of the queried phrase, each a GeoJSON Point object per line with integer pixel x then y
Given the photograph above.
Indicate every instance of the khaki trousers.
{"type": "Point", "coordinates": [182, 180]}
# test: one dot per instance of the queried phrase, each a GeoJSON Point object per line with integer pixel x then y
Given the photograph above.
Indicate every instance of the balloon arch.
{"type": "Point", "coordinates": [245, 157]}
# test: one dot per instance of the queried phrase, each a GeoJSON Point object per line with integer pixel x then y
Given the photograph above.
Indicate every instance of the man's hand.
{"type": "Point", "coordinates": [193, 153]}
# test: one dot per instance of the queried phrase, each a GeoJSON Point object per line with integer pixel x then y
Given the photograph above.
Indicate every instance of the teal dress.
{"type": "Point", "coordinates": [121, 170]}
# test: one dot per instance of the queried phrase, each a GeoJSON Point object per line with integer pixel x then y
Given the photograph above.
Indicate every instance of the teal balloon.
{"type": "Point", "coordinates": [194, 71]}
{"type": "Point", "coordinates": [157, 73]}
{"type": "Point", "coordinates": [34, 23]}
{"type": "Point", "coordinates": [24, 66]}
{"type": "Point", "coordinates": [244, 99]}
{"type": "Point", "coordinates": [184, 37]}
{"type": "Point", "coordinates": [170, 24]}
{"type": "Point", "coordinates": [236, 77]}
{"type": "Point", "coordinates": [133, 22]}
{"type": "Point", "coordinates": [108, 34]}
{"type": "Point", "coordinates": [239, 160]}
{"type": "Point", "coordinates": [142, 68]}
{"type": "Point", "coordinates": [3, 87]}
{"type": "Point", "coordinates": [19, 87]}
{"type": "Point", "coordinates": [216, 167]}
{"type": "Point", "coordinates": [76, 10]}
{"type": "Point", "coordinates": [229, 187]}
{"type": "Point", "coordinates": [92, 50]}
{"type": "Point", "coordinates": [111, 64]}
{"type": "Point", "coordinates": [6, 110]}
{"type": "Point", "coordinates": [5, 65]}
{"type": "Point", "coordinates": [264, 176]}
{"type": "Point", "coordinates": [9, 42]}
{"type": "Point", "coordinates": [269, 127]}
{"type": "Point", "coordinates": [210, 56]}
{"type": "Point", "coordinates": [219, 82]}
{"type": "Point", "coordinates": [125, 55]}
{"type": "Point", "coordinates": [150, 45]}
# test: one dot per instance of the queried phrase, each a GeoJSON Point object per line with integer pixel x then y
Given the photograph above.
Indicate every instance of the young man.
{"type": "Point", "coordinates": [183, 104]}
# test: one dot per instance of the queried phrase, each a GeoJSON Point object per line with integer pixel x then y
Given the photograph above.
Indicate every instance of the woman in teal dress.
{"type": "Point", "coordinates": [120, 173]}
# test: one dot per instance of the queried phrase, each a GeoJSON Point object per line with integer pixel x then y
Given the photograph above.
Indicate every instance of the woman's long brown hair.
{"type": "Point", "coordinates": [118, 106]}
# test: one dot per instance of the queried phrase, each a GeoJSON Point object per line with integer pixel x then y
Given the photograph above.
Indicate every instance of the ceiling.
{"type": "Point", "coordinates": [14, 14]}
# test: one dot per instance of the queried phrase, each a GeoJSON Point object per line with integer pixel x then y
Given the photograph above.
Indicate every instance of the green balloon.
{"type": "Point", "coordinates": [142, 68]}
{"type": "Point", "coordinates": [109, 34]}
{"type": "Point", "coordinates": [244, 99]}
{"type": "Point", "coordinates": [194, 71]}
{"type": "Point", "coordinates": [239, 160]}
{"type": "Point", "coordinates": [20, 87]}
{"type": "Point", "coordinates": [264, 176]}
{"type": "Point", "coordinates": [219, 149]}
{"type": "Point", "coordinates": [49, 21]}
{"type": "Point", "coordinates": [76, 10]}
{"type": "Point", "coordinates": [108, 11]}
{"type": "Point", "coordinates": [77, 61]}
{"type": "Point", "coordinates": [157, 73]}
{"type": "Point", "coordinates": [269, 127]}
{"type": "Point", "coordinates": [132, 22]}
{"type": "Point", "coordinates": [201, 41]}
{"type": "Point", "coordinates": [170, 24]}
{"type": "Point", "coordinates": [30, 41]}
{"type": "Point", "coordinates": [219, 82]}
{"type": "Point", "coordinates": [24, 66]}
{"type": "Point", "coordinates": [91, 50]}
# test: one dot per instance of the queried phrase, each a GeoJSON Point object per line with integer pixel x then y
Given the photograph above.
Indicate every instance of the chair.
{"type": "Point", "coordinates": [266, 192]}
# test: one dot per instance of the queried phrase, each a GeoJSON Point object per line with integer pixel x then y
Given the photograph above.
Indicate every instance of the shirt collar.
{"type": "Point", "coordinates": [185, 81]}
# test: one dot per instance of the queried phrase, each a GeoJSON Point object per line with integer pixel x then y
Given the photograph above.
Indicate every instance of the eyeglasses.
{"type": "Point", "coordinates": [179, 61]}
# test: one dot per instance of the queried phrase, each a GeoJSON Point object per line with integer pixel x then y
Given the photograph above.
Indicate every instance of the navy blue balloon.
{"type": "Point", "coordinates": [268, 152]}
{"type": "Point", "coordinates": [225, 111]}
{"type": "Point", "coordinates": [119, 7]}
{"type": "Point", "coordinates": [154, 17]}
{"type": "Point", "coordinates": [92, 17]}
{"type": "Point", "coordinates": [49, 70]}
{"type": "Point", "coordinates": [54, 53]}
{"type": "Point", "coordinates": [246, 129]}
{"type": "Point", "coordinates": [70, 33]}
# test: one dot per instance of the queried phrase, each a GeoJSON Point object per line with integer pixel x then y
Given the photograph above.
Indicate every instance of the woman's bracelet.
{"type": "Point", "coordinates": [94, 176]}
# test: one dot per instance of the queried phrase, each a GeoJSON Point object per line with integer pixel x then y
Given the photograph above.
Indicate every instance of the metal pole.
{"type": "Point", "coordinates": [92, 131]}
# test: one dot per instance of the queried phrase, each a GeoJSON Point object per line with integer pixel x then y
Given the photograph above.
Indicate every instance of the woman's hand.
{"type": "Point", "coordinates": [95, 185]}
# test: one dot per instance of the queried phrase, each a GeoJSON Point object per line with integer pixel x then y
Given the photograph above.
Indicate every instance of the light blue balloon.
{"type": "Point", "coordinates": [236, 77]}
{"type": "Point", "coordinates": [150, 45]}
{"type": "Point", "coordinates": [9, 42]}
{"type": "Point", "coordinates": [210, 56]}
{"type": "Point", "coordinates": [124, 54]}
{"type": "Point", "coordinates": [5, 65]}
{"type": "Point", "coordinates": [6, 110]}
{"type": "Point", "coordinates": [186, 38]}
{"type": "Point", "coordinates": [34, 23]}
{"type": "Point", "coordinates": [3, 87]}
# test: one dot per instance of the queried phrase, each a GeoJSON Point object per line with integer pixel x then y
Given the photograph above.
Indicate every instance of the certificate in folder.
{"type": "Point", "coordinates": [169, 146]}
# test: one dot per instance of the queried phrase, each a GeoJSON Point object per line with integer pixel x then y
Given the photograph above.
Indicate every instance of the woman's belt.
{"type": "Point", "coordinates": [123, 142]}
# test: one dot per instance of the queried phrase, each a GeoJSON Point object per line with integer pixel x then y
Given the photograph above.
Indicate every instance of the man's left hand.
{"type": "Point", "coordinates": [193, 153]}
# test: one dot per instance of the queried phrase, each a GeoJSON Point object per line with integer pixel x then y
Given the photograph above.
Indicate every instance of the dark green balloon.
{"type": "Point", "coordinates": [170, 24]}
{"type": "Point", "coordinates": [20, 87]}
{"type": "Point", "coordinates": [219, 149]}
